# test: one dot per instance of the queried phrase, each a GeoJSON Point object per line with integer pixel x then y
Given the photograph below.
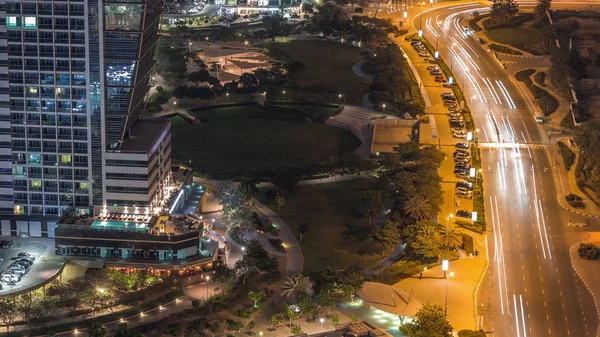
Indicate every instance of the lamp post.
{"type": "Point", "coordinates": [207, 279]}
{"type": "Point", "coordinates": [383, 105]}
{"type": "Point", "coordinates": [321, 320]}
{"type": "Point", "coordinates": [446, 302]}
{"type": "Point", "coordinates": [450, 216]}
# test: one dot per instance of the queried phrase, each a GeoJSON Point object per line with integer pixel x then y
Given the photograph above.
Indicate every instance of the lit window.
{"type": "Point", "coordinates": [30, 22]}
{"type": "Point", "coordinates": [11, 21]}
{"type": "Point", "coordinates": [19, 210]}
{"type": "Point", "coordinates": [65, 159]}
{"type": "Point", "coordinates": [35, 183]}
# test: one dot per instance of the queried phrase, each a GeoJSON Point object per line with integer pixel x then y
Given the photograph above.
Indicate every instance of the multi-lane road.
{"type": "Point", "coordinates": [530, 289]}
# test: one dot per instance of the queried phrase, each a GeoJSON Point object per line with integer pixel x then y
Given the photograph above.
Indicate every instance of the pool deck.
{"type": "Point", "coordinates": [120, 225]}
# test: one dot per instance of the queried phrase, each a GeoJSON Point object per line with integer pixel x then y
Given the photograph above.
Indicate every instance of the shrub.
{"type": "Point", "coordinates": [567, 155]}
{"type": "Point", "coordinates": [471, 333]}
{"type": "Point", "coordinates": [503, 49]}
{"type": "Point", "coordinates": [545, 100]}
{"type": "Point", "coordinates": [540, 78]}
{"type": "Point", "coordinates": [587, 251]}
{"type": "Point", "coordinates": [467, 243]}
{"type": "Point", "coordinates": [296, 329]}
{"type": "Point", "coordinates": [575, 201]}
{"type": "Point", "coordinates": [243, 313]}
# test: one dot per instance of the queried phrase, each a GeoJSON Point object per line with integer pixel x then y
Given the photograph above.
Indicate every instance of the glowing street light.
{"type": "Point", "coordinates": [446, 305]}
{"type": "Point", "coordinates": [322, 320]}
{"type": "Point", "coordinates": [207, 278]}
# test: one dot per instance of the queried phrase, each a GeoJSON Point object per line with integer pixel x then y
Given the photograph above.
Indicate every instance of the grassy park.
{"type": "Point", "coordinates": [327, 64]}
{"type": "Point", "coordinates": [230, 141]}
{"type": "Point", "coordinates": [318, 113]}
{"type": "Point", "coordinates": [337, 235]}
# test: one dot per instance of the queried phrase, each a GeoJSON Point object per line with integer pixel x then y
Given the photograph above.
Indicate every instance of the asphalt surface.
{"type": "Point", "coordinates": [531, 288]}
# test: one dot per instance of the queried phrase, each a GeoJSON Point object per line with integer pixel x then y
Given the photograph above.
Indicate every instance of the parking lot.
{"type": "Point", "coordinates": [44, 267]}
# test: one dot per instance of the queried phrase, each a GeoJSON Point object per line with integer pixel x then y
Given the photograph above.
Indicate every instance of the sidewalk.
{"type": "Point", "coordinates": [295, 259]}
{"type": "Point", "coordinates": [431, 288]}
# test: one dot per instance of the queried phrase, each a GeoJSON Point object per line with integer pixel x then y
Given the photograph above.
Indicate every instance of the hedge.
{"type": "Point", "coordinates": [568, 156]}
{"type": "Point", "coordinates": [503, 49]}
{"type": "Point", "coordinates": [544, 99]}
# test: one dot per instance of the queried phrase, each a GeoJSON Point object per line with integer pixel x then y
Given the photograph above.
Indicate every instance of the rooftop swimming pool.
{"type": "Point", "coordinates": [120, 225]}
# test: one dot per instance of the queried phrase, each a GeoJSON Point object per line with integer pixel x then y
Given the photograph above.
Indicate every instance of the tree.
{"type": "Point", "coordinates": [417, 208]}
{"type": "Point", "coordinates": [273, 320]}
{"type": "Point", "coordinates": [233, 325]}
{"type": "Point", "coordinates": [293, 67]}
{"type": "Point", "coordinates": [295, 285]}
{"type": "Point", "coordinates": [303, 229]}
{"type": "Point", "coordinates": [30, 306]}
{"type": "Point", "coordinates": [251, 326]}
{"type": "Point", "coordinates": [427, 241]}
{"type": "Point", "coordinates": [451, 236]}
{"type": "Point", "coordinates": [308, 7]}
{"type": "Point", "coordinates": [503, 10]}
{"type": "Point", "coordinates": [335, 320]}
{"type": "Point", "coordinates": [388, 236]}
{"type": "Point", "coordinates": [8, 312]}
{"type": "Point", "coordinates": [371, 204]}
{"type": "Point", "coordinates": [256, 259]}
{"type": "Point", "coordinates": [325, 301]}
{"type": "Point", "coordinates": [290, 314]}
{"type": "Point", "coordinates": [96, 299]}
{"type": "Point", "coordinates": [256, 296]}
{"type": "Point", "coordinates": [96, 330]}
{"type": "Point", "coordinates": [280, 200]}
{"type": "Point", "coordinates": [306, 305]}
{"type": "Point", "coordinates": [540, 9]}
{"type": "Point", "coordinates": [430, 321]}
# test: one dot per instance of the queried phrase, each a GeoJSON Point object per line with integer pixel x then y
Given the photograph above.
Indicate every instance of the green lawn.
{"type": "Point", "coordinates": [233, 140]}
{"type": "Point", "coordinates": [337, 235]}
{"type": "Point", "coordinates": [319, 114]}
{"type": "Point", "coordinates": [328, 64]}
{"type": "Point", "coordinates": [520, 38]}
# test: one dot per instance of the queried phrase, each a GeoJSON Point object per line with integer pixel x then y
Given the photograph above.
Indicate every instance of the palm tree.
{"type": "Point", "coordinates": [451, 236]}
{"type": "Point", "coordinates": [418, 208]}
{"type": "Point", "coordinates": [295, 285]}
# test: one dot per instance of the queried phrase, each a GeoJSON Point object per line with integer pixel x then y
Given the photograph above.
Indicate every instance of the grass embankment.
{"type": "Point", "coordinates": [328, 66]}
{"type": "Point", "coordinates": [337, 235]}
{"type": "Point", "coordinates": [516, 37]}
{"type": "Point", "coordinates": [232, 140]}
{"type": "Point", "coordinates": [318, 113]}
{"type": "Point", "coordinates": [503, 49]}
{"type": "Point", "coordinates": [547, 103]}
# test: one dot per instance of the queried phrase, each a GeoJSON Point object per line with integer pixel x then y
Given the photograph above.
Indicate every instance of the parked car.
{"type": "Point", "coordinates": [5, 244]}
{"type": "Point", "coordinates": [8, 278]}
{"type": "Point", "coordinates": [433, 68]}
{"type": "Point", "coordinates": [441, 79]}
{"type": "Point", "coordinates": [24, 262]}
{"type": "Point", "coordinates": [415, 43]}
{"type": "Point", "coordinates": [460, 151]}
{"type": "Point", "coordinates": [424, 54]}
{"type": "Point", "coordinates": [24, 254]}
{"type": "Point", "coordinates": [464, 195]}
{"type": "Point", "coordinates": [450, 104]}
{"type": "Point", "coordinates": [462, 145]}
{"type": "Point", "coordinates": [465, 184]}
{"type": "Point", "coordinates": [17, 270]}
{"type": "Point", "coordinates": [459, 134]}
{"type": "Point", "coordinates": [480, 40]}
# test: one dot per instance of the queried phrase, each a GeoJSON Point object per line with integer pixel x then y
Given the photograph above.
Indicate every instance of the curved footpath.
{"type": "Point", "coordinates": [587, 270]}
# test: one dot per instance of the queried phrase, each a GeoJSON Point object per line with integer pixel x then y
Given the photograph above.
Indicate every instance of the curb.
{"type": "Point", "coordinates": [480, 282]}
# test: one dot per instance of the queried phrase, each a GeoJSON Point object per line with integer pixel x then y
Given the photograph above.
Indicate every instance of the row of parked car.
{"type": "Point", "coordinates": [21, 265]}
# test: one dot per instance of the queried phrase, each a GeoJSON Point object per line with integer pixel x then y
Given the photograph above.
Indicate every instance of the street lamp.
{"type": "Point", "coordinates": [421, 20]}
{"type": "Point", "coordinates": [260, 333]}
{"type": "Point", "coordinates": [321, 320]}
{"type": "Point", "coordinates": [227, 94]}
{"type": "Point", "coordinates": [431, 3]}
{"type": "Point", "coordinates": [207, 279]}
{"type": "Point", "coordinates": [472, 98]}
{"type": "Point", "coordinates": [446, 305]}
{"type": "Point", "coordinates": [383, 105]}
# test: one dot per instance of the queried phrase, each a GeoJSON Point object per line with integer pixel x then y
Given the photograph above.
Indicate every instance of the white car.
{"type": "Point", "coordinates": [435, 68]}
{"type": "Point", "coordinates": [459, 134]}
{"type": "Point", "coordinates": [424, 54]}
{"type": "Point", "coordinates": [8, 278]}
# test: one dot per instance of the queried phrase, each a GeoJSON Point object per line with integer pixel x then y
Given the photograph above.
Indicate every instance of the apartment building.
{"type": "Point", "coordinates": [73, 77]}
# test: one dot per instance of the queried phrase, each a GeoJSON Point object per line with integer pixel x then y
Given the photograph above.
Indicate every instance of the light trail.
{"type": "Point", "coordinates": [510, 100]}
{"type": "Point", "coordinates": [523, 316]}
{"type": "Point", "coordinates": [517, 316]}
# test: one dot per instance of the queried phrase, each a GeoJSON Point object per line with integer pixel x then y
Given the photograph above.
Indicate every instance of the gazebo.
{"type": "Point", "coordinates": [389, 299]}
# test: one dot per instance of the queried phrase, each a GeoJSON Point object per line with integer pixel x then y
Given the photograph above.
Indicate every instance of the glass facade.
{"type": "Point", "coordinates": [77, 73]}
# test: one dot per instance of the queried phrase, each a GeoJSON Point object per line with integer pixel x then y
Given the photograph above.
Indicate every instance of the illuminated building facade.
{"type": "Point", "coordinates": [73, 78]}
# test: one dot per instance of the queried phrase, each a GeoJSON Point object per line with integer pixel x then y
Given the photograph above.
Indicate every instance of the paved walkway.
{"type": "Point", "coordinates": [431, 288]}
{"type": "Point", "coordinates": [357, 69]}
{"type": "Point", "coordinates": [295, 259]}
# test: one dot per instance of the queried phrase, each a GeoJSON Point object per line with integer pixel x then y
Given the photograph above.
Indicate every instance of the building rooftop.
{"type": "Point", "coordinates": [143, 134]}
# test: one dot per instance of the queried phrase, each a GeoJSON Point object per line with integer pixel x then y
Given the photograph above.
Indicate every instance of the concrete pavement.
{"type": "Point", "coordinates": [295, 259]}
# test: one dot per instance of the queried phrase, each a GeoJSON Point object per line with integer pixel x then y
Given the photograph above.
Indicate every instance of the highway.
{"type": "Point", "coordinates": [530, 289]}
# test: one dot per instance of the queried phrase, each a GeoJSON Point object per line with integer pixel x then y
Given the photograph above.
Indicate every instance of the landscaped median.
{"type": "Point", "coordinates": [547, 103]}
{"type": "Point", "coordinates": [104, 319]}
{"type": "Point", "coordinates": [478, 199]}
